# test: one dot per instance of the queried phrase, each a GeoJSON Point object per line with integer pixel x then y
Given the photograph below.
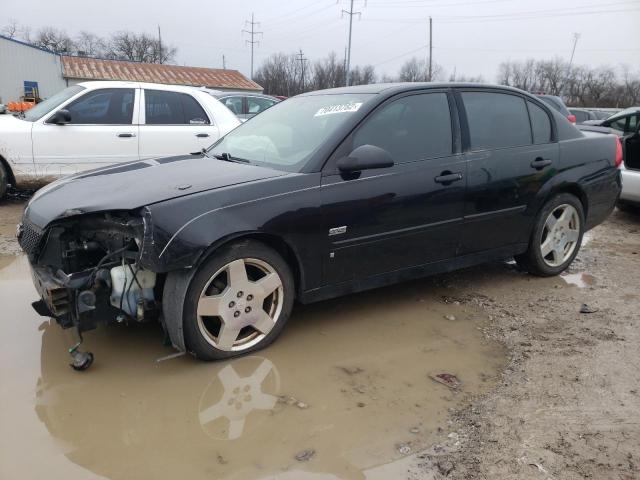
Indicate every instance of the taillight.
{"type": "Point", "coordinates": [572, 118]}
{"type": "Point", "coordinates": [618, 152]}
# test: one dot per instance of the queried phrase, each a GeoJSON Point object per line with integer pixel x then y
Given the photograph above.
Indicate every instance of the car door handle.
{"type": "Point", "coordinates": [202, 135]}
{"type": "Point", "coordinates": [126, 135]}
{"type": "Point", "coordinates": [539, 163]}
{"type": "Point", "coordinates": [447, 178]}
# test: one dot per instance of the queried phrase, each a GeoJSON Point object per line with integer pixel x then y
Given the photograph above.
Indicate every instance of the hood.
{"type": "Point", "coordinates": [136, 184]}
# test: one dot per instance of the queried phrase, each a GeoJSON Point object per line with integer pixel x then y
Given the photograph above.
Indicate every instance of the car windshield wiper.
{"type": "Point", "coordinates": [227, 157]}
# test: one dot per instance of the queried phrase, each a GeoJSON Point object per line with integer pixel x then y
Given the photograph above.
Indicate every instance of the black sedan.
{"type": "Point", "coordinates": [326, 194]}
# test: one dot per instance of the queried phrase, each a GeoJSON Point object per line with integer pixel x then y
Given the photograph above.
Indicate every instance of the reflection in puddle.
{"type": "Point", "coordinates": [240, 396]}
{"type": "Point", "coordinates": [580, 280]}
{"type": "Point", "coordinates": [357, 369]}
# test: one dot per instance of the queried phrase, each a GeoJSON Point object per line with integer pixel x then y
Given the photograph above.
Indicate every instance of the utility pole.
{"type": "Point", "coordinates": [351, 13]}
{"type": "Point", "coordinates": [253, 34]}
{"type": "Point", "coordinates": [224, 62]}
{"type": "Point", "coordinates": [159, 44]}
{"type": "Point", "coordinates": [302, 62]}
{"type": "Point", "coordinates": [576, 36]}
{"type": "Point", "coordinates": [430, 49]}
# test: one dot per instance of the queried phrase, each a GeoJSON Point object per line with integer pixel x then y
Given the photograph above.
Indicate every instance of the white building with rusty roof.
{"type": "Point", "coordinates": [25, 67]}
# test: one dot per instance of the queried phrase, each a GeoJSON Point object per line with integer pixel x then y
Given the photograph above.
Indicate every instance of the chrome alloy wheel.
{"type": "Point", "coordinates": [240, 304]}
{"type": "Point", "coordinates": [560, 235]}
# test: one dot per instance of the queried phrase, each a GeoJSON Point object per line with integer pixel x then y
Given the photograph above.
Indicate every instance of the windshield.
{"type": "Point", "coordinates": [50, 103]}
{"type": "Point", "coordinates": [286, 135]}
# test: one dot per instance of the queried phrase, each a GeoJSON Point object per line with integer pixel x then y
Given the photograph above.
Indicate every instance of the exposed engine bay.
{"type": "Point", "coordinates": [87, 271]}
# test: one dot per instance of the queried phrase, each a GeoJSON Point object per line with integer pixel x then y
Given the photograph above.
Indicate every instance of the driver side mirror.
{"type": "Point", "coordinates": [365, 157]}
{"type": "Point", "coordinates": [61, 117]}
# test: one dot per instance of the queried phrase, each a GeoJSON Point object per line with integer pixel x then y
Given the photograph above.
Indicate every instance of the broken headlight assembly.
{"type": "Point", "coordinates": [87, 270]}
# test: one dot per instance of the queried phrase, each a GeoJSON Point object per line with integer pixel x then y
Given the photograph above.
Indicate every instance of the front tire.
{"type": "Point", "coordinates": [237, 302]}
{"type": "Point", "coordinates": [556, 237]}
{"type": "Point", "coordinates": [4, 181]}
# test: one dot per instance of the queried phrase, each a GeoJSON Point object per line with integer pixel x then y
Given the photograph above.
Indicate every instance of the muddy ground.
{"type": "Point", "coordinates": [347, 392]}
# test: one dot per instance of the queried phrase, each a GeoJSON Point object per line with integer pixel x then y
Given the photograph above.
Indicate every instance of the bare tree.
{"type": "Point", "coordinates": [363, 75]}
{"type": "Point", "coordinates": [90, 44]}
{"type": "Point", "coordinates": [281, 74]}
{"type": "Point", "coordinates": [11, 29]}
{"type": "Point", "coordinates": [329, 72]}
{"type": "Point", "coordinates": [631, 86]}
{"type": "Point", "coordinates": [417, 70]}
{"type": "Point", "coordinates": [54, 39]}
{"type": "Point", "coordinates": [139, 47]}
{"type": "Point", "coordinates": [466, 78]}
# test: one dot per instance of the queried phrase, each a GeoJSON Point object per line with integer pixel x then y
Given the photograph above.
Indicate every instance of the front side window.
{"type": "Point", "coordinates": [51, 103]}
{"type": "Point", "coordinates": [496, 120]}
{"type": "Point", "coordinates": [108, 106]}
{"type": "Point", "coordinates": [627, 124]}
{"type": "Point", "coordinates": [540, 123]}
{"type": "Point", "coordinates": [286, 136]}
{"type": "Point", "coordinates": [256, 105]}
{"type": "Point", "coordinates": [411, 128]}
{"type": "Point", "coordinates": [172, 108]}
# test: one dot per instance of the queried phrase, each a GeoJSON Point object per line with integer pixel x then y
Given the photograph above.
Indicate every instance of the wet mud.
{"type": "Point", "coordinates": [346, 392]}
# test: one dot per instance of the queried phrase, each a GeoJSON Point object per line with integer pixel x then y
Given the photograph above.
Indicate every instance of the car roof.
{"type": "Point", "coordinates": [220, 94]}
{"type": "Point", "coordinates": [124, 84]}
{"type": "Point", "coordinates": [398, 87]}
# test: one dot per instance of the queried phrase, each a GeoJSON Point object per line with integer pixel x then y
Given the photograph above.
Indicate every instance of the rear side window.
{"type": "Point", "coordinates": [496, 120]}
{"type": "Point", "coordinates": [108, 106]}
{"type": "Point", "coordinates": [411, 128]}
{"type": "Point", "coordinates": [234, 104]}
{"type": "Point", "coordinates": [540, 124]}
{"type": "Point", "coordinates": [172, 108]}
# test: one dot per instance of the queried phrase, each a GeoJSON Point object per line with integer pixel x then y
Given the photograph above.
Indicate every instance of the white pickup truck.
{"type": "Point", "coordinates": [94, 124]}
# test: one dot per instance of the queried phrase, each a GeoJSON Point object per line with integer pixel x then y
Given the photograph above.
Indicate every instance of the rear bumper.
{"type": "Point", "coordinates": [630, 186]}
{"type": "Point", "coordinates": [602, 199]}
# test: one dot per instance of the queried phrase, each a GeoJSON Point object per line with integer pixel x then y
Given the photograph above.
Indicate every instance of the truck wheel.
{"type": "Point", "coordinates": [237, 302]}
{"type": "Point", "coordinates": [556, 237]}
{"type": "Point", "coordinates": [4, 181]}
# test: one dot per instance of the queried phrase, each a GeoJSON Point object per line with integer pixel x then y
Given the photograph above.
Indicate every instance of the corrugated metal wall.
{"type": "Point", "coordinates": [20, 62]}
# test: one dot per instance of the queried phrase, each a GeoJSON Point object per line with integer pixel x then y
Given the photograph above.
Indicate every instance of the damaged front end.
{"type": "Point", "coordinates": [87, 270]}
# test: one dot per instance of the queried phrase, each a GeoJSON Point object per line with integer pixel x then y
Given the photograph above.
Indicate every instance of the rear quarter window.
{"type": "Point", "coordinates": [540, 124]}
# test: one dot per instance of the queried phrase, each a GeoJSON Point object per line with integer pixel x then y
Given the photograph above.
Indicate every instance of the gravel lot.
{"type": "Point", "coordinates": [564, 403]}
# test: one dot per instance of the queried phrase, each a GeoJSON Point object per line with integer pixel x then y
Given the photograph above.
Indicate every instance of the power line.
{"type": "Point", "coordinates": [351, 13]}
{"type": "Point", "coordinates": [253, 34]}
{"type": "Point", "coordinates": [400, 56]}
{"type": "Point", "coordinates": [577, 11]}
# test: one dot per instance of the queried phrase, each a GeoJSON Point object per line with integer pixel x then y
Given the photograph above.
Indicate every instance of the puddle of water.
{"type": "Point", "coordinates": [348, 379]}
{"type": "Point", "coordinates": [580, 280]}
{"type": "Point", "coordinates": [11, 215]}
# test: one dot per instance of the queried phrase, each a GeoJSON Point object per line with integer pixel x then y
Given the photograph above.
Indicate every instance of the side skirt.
{"type": "Point", "coordinates": [411, 273]}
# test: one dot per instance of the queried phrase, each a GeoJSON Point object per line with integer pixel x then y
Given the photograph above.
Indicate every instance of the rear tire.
{"type": "Point", "coordinates": [4, 181]}
{"type": "Point", "coordinates": [237, 302]}
{"type": "Point", "coordinates": [556, 237]}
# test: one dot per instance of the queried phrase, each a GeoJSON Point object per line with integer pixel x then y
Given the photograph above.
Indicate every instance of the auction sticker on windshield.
{"type": "Point", "coordinates": [341, 108]}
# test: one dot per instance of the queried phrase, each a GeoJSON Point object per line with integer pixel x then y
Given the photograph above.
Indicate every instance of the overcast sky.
{"type": "Point", "coordinates": [472, 37]}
